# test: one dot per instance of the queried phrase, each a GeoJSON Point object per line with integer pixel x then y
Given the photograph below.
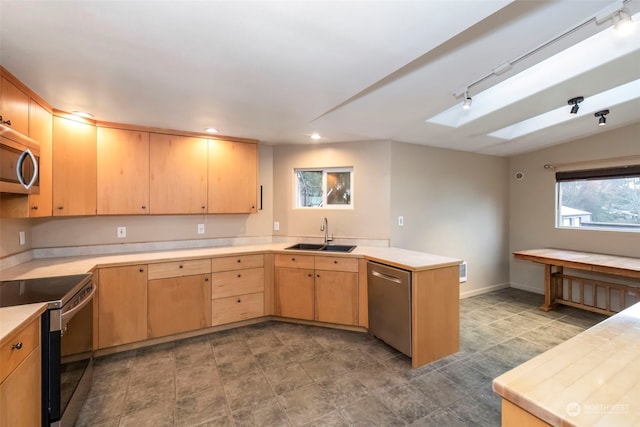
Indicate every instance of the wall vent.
{"type": "Point", "coordinates": [463, 272]}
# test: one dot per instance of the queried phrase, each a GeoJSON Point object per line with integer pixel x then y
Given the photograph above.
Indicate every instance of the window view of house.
{"type": "Point", "coordinates": [599, 202]}
{"type": "Point", "coordinates": [318, 188]}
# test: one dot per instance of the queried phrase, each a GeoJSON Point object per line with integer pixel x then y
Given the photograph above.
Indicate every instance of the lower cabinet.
{"type": "Point", "coordinates": [20, 380]}
{"type": "Point", "coordinates": [323, 288]}
{"type": "Point", "coordinates": [179, 295]}
{"type": "Point", "coordinates": [122, 305]}
{"type": "Point", "coordinates": [237, 289]}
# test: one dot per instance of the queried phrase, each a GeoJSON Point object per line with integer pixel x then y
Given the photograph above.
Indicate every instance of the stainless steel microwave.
{"type": "Point", "coordinates": [19, 163]}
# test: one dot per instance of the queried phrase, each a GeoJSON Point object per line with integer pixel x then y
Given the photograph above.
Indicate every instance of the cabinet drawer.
{"type": "Point", "coordinates": [239, 282]}
{"type": "Point", "coordinates": [28, 338]}
{"type": "Point", "coordinates": [236, 262]}
{"type": "Point", "coordinates": [294, 261]}
{"type": "Point", "coordinates": [233, 309]}
{"type": "Point", "coordinates": [337, 263]}
{"type": "Point", "coordinates": [179, 268]}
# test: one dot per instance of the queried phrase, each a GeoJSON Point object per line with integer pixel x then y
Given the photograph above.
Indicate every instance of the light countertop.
{"type": "Point", "coordinates": [13, 318]}
{"type": "Point", "coordinates": [46, 267]}
{"type": "Point", "coordinates": [592, 379]}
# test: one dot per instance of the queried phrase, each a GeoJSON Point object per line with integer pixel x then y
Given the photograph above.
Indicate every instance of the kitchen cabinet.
{"type": "Point", "coordinates": [336, 290]}
{"type": "Point", "coordinates": [178, 174]}
{"type": "Point", "coordinates": [41, 129]}
{"type": "Point", "coordinates": [74, 167]}
{"type": "Point", "coordinates": [237, 288]}
{"type": "Point", "coordinates": [20, 379]}
{"type": "Point", "coordinates": [122, 305]}
{"type": "Point", "coordinates": [14, 106]}
{"type": "Point", "coordinates": [122, 172]}
{"type": "Point", "coordinates": [233, 180]}
{"type": "Point", "coordinates": [179, 295]}
{"type": "Point", "coordinates": [322, 288]}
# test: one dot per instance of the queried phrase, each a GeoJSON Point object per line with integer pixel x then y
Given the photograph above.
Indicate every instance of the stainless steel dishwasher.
{"type": "Point", "coordinates": [390, 305]}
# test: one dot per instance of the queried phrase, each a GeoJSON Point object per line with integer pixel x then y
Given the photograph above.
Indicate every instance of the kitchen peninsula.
{"type": "Point", "coordinates": [435, 289]}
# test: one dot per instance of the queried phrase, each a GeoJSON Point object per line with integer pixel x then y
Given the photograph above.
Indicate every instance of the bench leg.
{"type": "Point", "coordinates": [549, 291]}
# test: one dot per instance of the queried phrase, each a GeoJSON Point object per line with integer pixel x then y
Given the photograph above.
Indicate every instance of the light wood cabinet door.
{"type": "Point", "coordinates": [293, 293]}
{"type": "Point", "coordinates": [122, 305]}
{"type": "Point", "coordinates": [41, 129]}
{"type": "Point", "coordinates": [74, 167]}
{"type": "Point", "coordinates": [336, 297]}
{"type": "Point", "coordinates": [122, 172]}
{"type": "Point", "coordinates": [14, 107]}
{"type": "Point", "coordinates": [233, 177]}
{"type": "Point", "coordinates": [178, 174]}
{"type": "Point", "coordinates": [179, 304]}
{"type": "Point", "coordinates": [20, 403]}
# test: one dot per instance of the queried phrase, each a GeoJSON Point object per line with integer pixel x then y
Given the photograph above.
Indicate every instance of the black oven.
{"type": "Point", "coordinates": [67, 340]}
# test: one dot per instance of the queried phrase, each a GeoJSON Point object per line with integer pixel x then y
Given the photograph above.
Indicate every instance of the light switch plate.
{"type": "Point", "coordinates": [122, 232]}
{"type": "Point", "coordinates": [200, 228]}
{"type": "Point", "coordinates": [23, 240]}
{"type": "Point", "coordinates": [400, 221]}
{"type": "Point", "coordinates": [276, 226]}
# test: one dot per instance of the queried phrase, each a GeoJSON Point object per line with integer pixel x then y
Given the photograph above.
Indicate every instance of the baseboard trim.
{"type": "Point", "coordinates": [528, 288]}
{"type": "Point", "coordinates": [486, 289]}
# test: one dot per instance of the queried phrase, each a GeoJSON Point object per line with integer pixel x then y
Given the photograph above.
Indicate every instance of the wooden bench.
{"type": "Point", "coordinates": [571, 290]}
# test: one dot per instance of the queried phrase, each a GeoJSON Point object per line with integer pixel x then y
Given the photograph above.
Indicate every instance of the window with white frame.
{"type": "Point", "coordinates": [324, 188]}
{"type": "Point", "coordinates": [606, 198]}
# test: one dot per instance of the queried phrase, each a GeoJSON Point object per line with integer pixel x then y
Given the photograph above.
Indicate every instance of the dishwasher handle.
{"type": "Point", "coordinates": [386, 277]}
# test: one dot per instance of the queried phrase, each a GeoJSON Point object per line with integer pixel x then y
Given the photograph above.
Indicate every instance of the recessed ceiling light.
{"type": "Point", "coordinates": [82, 114]}
{"type": "Point", "coordinates": [315, 136]}
{"type": "Point", "coordinates": [211, 130]}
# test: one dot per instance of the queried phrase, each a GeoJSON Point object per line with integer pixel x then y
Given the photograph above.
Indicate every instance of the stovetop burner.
{"type": "Point", "coordinates": [45, 289]}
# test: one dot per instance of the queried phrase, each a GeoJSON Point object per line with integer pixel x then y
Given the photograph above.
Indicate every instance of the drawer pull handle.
{"type": "Point", "coordinates": [206, 279]}
{"type": "Point", "coordinates": [179, 266]}
{"type": "Point", "coordinates": [293, 259]}
{"type": "Point", "coordinates": [239, 275]}
{"type": "Point", "coordinates": [239, 260]}
{"type": "Point", "coordinates": [335, 261]}
{"type": "Point", "coordinates": [142, 270]}
{"type": "Point", "coordinates": [60, 207]}
{"type": "Point", "coordinates": [34, 207]}
{"type": "Point", "coordinates": [17, 346]}
{"type": "Point", "coordinates": [239, 300]}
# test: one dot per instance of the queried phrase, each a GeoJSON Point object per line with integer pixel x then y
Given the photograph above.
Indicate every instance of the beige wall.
{"type": "Point", "coordinates": [9, 236]}
{"type": "Point", "coordinates": [370, 217]}
{"type": "Point", "coordinates": [454, 204]}
{"type": "Point", "coordinates": [97, 230]}
{"type": "Point", "coordinates": [532, 203]}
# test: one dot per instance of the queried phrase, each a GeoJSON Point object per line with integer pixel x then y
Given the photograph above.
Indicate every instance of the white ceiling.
{"type": "Point", "coordinates": [278, 71]}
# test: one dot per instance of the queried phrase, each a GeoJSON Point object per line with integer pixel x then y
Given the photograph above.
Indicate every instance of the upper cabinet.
{"type": "Point", "coordinates": [233, 181]}
{"type": "Point", "coordinates": [178, 174]}
{"type": "Point", "coordinates": [14, 107]}
{"type": "Point", "coordinates": [41, 129]}
{"type": "Point", "coordinates": [122, 172]}
{"type": "Point", "coordinates": [74, 167]}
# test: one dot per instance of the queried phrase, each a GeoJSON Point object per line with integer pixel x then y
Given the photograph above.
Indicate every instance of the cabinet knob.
{"type": "Point", "coordinates": [16, 346]}
{"type": "Point", "coordinates": [317, 275]}
{"type": "Point", "coordinates": [180, 266]}
{"type": "Point", "coordinates": [239, 300]}
{"type": "Point", "coordinates": [143, 207]}
{"type": "Point", "coordinates": [335, 261]}
{"type": "Point", "coordinates": [142, 270]}
{"type": "Point", "coordinates": [239, 260]}
{"type": "Point", "coordinates": [206, 279]}
{"type": "Point", "coordinates": [239, 275]}
{"type": "Point", "coordinates": [203, 207]}
{"type": "Point", "coordinates": [310, 275]}
{"type": "Point", "coordinates": [6, 122]}
{"type": "Point", "coordinates": [293, 259]}
{"type": "Point", "coordinates": [34, 207]}
{"type": "Point", "coordinates": [60, 208]}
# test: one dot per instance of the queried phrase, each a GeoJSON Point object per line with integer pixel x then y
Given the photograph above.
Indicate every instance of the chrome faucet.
{"type": "Point", "coordinates": [324, 226]}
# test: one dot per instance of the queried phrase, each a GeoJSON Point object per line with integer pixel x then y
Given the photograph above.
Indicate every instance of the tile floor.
{"type": "Point", "coordinates": [282, 374]}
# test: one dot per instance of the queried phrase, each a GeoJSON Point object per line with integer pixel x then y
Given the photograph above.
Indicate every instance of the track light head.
{"type": "Point", "coordinates": [574, 102]}
{"type": "Point", "coordinates": [602, 121]}
{"type": "Point", "coordinates": [467, 101]}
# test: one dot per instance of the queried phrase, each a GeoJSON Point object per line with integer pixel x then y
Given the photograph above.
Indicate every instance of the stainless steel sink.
{"type": "Point", "coordinates": [338, 248]}
{"type": "Point", "coordinates": [321, 247]}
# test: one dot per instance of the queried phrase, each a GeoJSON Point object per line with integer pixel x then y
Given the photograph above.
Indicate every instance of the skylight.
{"type": "Point", "coordinates": [591, 53]}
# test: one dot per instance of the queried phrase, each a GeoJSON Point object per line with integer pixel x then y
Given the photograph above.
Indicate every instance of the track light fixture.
{"type": "Point", "coordinates": [602, 121]}
{"type": "Point", "coordinates": [467, 101]}
{"type": "Point", "coordinates": [575, 101]}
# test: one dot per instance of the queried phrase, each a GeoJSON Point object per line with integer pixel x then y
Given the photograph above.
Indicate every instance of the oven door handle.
{"type": "Point", "coordinates": [66, 316]}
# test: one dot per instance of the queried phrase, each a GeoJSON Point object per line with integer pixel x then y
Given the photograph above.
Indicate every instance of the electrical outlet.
{"type": "Point", "coordinates": [276, 226]}
{"type": "Point", "coordinates": [23, 240]}
{"type": "Point", "coordinates": [200, 228]}
{"type": "Point", "coordinates": [122, 232]}
{"type": "Point", "coordinates": [400, 221]}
